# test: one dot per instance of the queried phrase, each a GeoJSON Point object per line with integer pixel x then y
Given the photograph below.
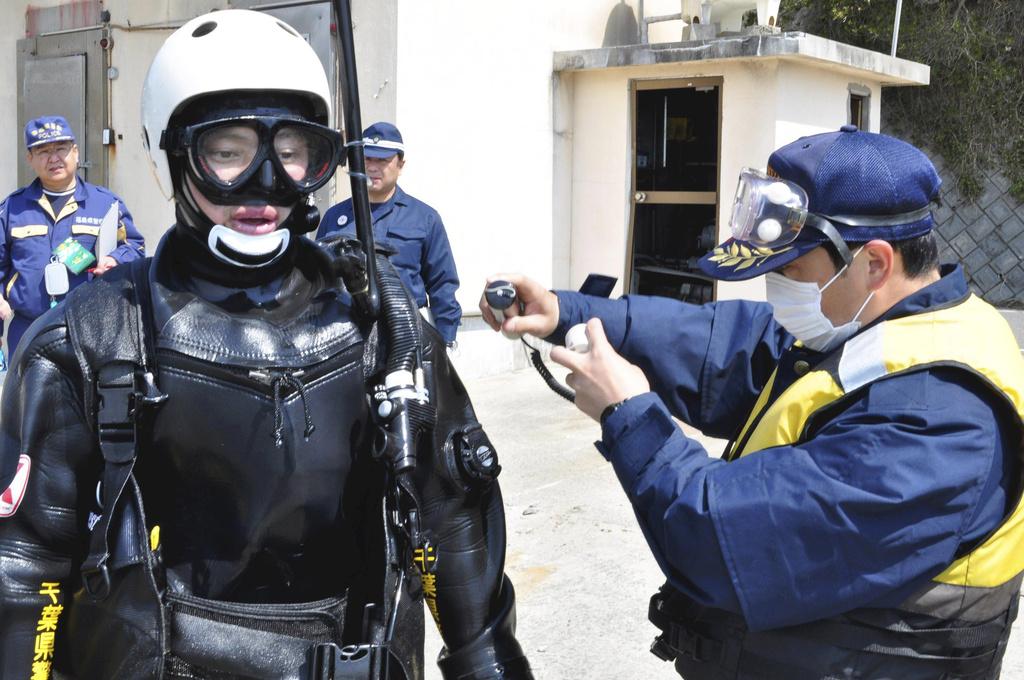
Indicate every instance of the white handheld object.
{"type": "Point", "coordinates": [576, 339]}
{"type": "Point", "coordinates": [106, 241]}
{"type": "Point", "coordinates": [55, 277]}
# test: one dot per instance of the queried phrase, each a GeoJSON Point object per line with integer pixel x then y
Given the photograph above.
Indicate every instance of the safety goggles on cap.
{"type": "Point", "coordinates": [768, 212]}
{"type": "Point", "coordinates": [771, 212]}
{"type": "Point", "coordinates": [225, 154]}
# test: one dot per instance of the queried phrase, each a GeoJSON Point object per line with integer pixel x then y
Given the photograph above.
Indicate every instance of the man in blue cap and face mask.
{"type": "Point", "coordinates": [407, 225]}
{"type": "Point", "coordinates": [866, 519]}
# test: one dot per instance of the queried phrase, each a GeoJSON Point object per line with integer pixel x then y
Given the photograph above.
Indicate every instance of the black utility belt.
{"type": "Point", "coordinates": [292, 641]}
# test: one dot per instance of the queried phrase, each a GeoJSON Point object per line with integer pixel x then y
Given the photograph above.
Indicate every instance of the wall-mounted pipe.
{"type": "Point", "coordinates": [645, 21]}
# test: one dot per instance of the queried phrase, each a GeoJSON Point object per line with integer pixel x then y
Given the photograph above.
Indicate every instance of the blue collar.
{"type": "Point", "coordinates": [34, 190]}
{"type": "Point", "coordinates": [400, 197]}
{"type": "Point", "coordinates": [379, 210]}
{"type": "Point", "coordinates": [949, 289]}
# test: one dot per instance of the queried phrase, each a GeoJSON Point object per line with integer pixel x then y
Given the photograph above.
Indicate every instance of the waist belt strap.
{"type": "Point", "coordinates": [297, 641]}
{"type": "Point", "coordinates": [967, 651]}
{"type": "Point", "coordinates": [675, 615]}
{"type": "Point", "coordinates": [200, 644]}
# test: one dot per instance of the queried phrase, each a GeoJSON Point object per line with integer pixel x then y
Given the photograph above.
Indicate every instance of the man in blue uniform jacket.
{"type": "Point", "coordinates": [423, 256]}
{"type": "Point", "coordinates": [57, 208]}
{"type": "Point", "coordinates": [866, 519]}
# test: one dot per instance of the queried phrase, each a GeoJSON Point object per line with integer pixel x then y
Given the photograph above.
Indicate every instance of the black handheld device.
{"type": "Point", "coordinates": [501, 295]}
{"type": "Point", "coordinates": [600, 285]}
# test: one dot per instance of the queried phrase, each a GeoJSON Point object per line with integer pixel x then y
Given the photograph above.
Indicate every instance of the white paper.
{"type": "Point", "coordinates": [106, 241]}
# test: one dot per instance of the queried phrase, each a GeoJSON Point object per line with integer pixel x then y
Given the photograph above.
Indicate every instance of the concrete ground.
{"type": "Point", "coordinates": [581, 568]}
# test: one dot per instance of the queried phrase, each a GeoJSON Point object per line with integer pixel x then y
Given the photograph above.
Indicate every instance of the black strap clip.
{"type": "Point", "coordinates": [328, 661]}
{"type": "Point", "coordinates": [96, 581]}
{"type": "Point", "coordinates": [115, 416]}
{"type": "Point", "coordinates": [681, 642]}
{"type": "Point", "coordinates": [122, 393]}
{"type": "Point", "coordinates": [662, 649]}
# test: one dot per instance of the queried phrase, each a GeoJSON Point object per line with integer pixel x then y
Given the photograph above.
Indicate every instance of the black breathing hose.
{"type": "Point", "coordinates": [552, 382]}
{"type": "Point", "coordinates": [399, 312]}
{"type": "Point", "coordinates": [501, 295]}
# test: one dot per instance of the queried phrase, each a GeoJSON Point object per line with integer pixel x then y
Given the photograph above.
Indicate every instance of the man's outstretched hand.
{"type": "Point", "coordinates": [535, 311]}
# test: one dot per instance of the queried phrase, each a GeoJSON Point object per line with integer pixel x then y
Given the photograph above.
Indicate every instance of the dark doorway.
{"type": "Point", "coordinates": [677, 131]}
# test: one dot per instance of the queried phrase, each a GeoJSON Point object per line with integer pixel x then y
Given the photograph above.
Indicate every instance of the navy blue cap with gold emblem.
{"type": "Point", "coordinates": [860, 186]}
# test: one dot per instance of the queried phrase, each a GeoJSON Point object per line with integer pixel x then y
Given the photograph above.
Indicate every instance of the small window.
{"type": "Point", "coordinates": [860, 107]}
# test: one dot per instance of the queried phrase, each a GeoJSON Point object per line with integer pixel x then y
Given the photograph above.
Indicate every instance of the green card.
{"type": "Point", "coordinates": [73, 255]}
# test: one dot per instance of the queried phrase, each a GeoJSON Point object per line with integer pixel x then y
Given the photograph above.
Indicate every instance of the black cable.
{"type": "Point", "coordinates": [557, 387]}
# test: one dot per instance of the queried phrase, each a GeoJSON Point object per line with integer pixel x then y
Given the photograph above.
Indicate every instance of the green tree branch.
{"type": "Point", "coordinates": [972, 114]}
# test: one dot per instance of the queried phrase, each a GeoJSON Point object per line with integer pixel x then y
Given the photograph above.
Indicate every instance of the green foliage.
{"type": "Point", "coordinates": [972, 114]}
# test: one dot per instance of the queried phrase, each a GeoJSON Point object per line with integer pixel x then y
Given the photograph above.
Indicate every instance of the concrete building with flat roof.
{"type": "Point", "coordinates": [549, 136]}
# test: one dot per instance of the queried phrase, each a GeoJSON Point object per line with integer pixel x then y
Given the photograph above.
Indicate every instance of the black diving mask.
{"type": "Point", "coordinates": [277, 158]}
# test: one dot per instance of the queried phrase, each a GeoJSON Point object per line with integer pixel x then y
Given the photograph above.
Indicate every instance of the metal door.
{"type": "Point", "coordinates": [65, 74]}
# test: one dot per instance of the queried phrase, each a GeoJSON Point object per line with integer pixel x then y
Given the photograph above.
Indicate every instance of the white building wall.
{"type": "Point", "coordinates": [475, 106]}
{"type": "Point", "coordinates": [12, 140]}
{"type": "Point", "coordinates": [748, 104]}
{"type": "Point", "coordinates": [601, 176]}
{"type": "Point", "coordinates": [130, 173]}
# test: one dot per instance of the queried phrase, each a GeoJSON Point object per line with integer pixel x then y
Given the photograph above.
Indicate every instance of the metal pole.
{"type": "Point", "coordinates": [896, 27]}
{"type": "Point", "coordinates": [356, 158]}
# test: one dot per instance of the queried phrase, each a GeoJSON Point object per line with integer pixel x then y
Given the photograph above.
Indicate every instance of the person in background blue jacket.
{"type": "Point", "coordinates": [866, 519]}
{"type": "Point", "coordinates": [423, 256]}
{"type": "Point", "coordinates": [57, 207]}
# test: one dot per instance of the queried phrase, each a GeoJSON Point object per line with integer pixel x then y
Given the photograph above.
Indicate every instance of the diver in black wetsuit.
{"type": "Point", "coordinates": [191, 486]}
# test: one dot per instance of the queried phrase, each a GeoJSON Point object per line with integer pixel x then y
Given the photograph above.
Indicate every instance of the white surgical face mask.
{"type": "Point", "coordinates": [796, 305]}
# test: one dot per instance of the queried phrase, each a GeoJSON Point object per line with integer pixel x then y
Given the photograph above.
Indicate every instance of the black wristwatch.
{"type": "Point", "coordinates": [609, 410]}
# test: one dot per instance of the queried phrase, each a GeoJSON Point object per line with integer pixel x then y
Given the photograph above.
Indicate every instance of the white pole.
{"type": "Point", "coordinates": [643, 23]}
{"type": "Point", "coordinates": [896, 26]}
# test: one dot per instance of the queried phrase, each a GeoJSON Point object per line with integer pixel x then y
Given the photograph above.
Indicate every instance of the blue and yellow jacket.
{"type": "Point", "coordinates": [871, 504]}
{"type": "Point", "coordinates": [31, 231]}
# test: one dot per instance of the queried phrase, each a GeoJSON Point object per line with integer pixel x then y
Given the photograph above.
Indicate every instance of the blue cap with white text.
{"type": "Point", "coordinates": [47, 129]}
